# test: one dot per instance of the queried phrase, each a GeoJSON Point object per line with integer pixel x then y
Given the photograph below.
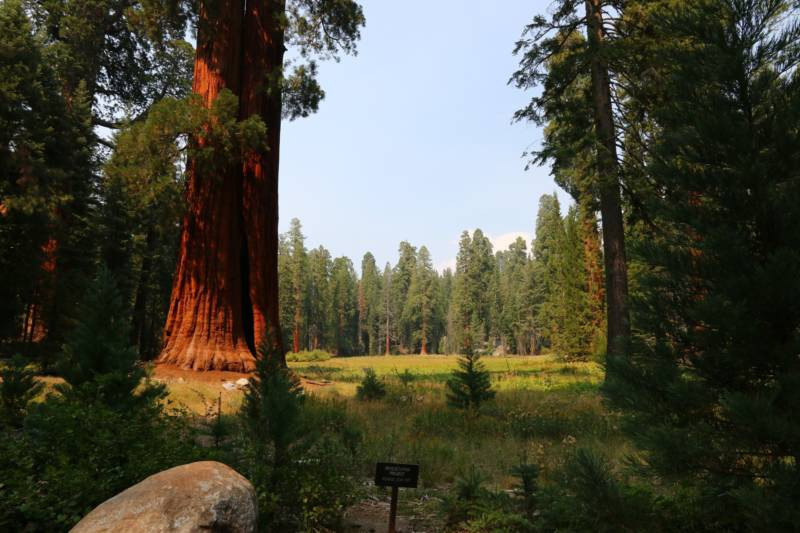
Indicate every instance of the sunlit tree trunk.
{"type": "Point", "coordinates": [207, 323]}
{"type": "Point", "coordinates": [262, 62]}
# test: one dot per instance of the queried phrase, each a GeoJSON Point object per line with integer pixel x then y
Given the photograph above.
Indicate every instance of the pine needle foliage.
{"type": "Point", "coordinates": [272, 406]}
{"type": "Point", "coordinates": [470, 385]}
{"type": "Point", "coordinates": [712, 387]}
{"type": "Point", "coordinates": [370, 388]}
{"type": "Point", "coordinates": [98, 361]}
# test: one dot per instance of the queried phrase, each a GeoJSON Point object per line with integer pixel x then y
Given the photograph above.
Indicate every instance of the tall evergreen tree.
{"type": "Point", "coordinates": [420, 310]}
{"type": "Point", "coordinates": [387, 315]}
{"type": "Point", "coordinates": [298, 265]}
{"type": "Point", "coordinates": [401, 282]}
{"type": "Point", "coordinates": [571, 50]}
{"type": "Point", "coordinates": [344, 306]}
{"type": "Point", "coordinates": [225, 297]}
{"type": "Point", "coordinates": [713, 384]}
{"type": "Point", "coordinates": [549, 232]}
{"type": "Point", "coordinates": [369, 305]}
{"type": "Point", "coordinates": [319, 296]}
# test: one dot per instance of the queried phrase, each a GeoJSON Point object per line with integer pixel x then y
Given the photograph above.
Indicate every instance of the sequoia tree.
{"type": "Point", "coordinates": [569, 55]}
{"type": "Point", "coordinates": [225, 295]}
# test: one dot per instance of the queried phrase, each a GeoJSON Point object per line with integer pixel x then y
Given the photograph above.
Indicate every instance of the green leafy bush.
{"type": "Point", "coordinates": [104, 431]}
{"type": "Point", "coordinates": [370, 388]}
{"type": "Point", "coordinates": [71, 456]}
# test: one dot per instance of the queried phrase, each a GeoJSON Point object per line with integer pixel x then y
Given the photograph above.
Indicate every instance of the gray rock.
{"type": "Point", "coordinates": [242, 383]}
{"type": "Point", "coordinates": [203, 496]}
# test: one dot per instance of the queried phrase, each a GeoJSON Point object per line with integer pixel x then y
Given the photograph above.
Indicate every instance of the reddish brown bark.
{"type": "Point", "coordinates": [206, 326]}
{"type": "Point", "coordinates": [262, 62]}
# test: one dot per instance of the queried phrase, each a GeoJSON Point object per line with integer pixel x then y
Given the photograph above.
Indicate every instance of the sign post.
{"type": "Point", "coordinates": [395, 475]}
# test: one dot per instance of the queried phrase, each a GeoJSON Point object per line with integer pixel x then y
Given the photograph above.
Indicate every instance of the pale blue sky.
{"type": "Point", "coordinates": [414, 139]}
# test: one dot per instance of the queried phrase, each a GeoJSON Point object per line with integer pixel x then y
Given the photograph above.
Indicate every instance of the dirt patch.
{"type": "Point", "coordinates": [372, 515]}
{"type": "Point", "coordinates": [171, 374]}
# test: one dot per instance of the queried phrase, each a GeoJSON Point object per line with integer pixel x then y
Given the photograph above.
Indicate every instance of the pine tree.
{"type": "Point", "coordinates": [369, 305]}
{"type": "Point", "coordinates": [420, 311]}
{"type": "Point", "coordinates": [549, 232]}
{"type": "Point", "coordinates": [225, 299]}
{"type": "Point", "coordinates": [344, 306]}
{"type": "Point", "coordinates": [572, 56]}
{"type": "Point", "coordinates": [712, 388]}
{"type": "Point", "coordinates": [470, 385]}
{"type": "Point", "coordinates": [271, 408]}
{"type": "Point", "coordinates": [319, 297]}
{"type": "Point", "coordinates": [387, 315]}
{"type": "Point", "coordinates": [99, 363]}
{"type": "Point", "coordinates": [401, 282]}
{"type": "Point", "coordinates": [298, 266]}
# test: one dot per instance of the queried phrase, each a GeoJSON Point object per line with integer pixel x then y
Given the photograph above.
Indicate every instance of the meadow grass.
{"type": "Point", "coordinates": [543, 410]}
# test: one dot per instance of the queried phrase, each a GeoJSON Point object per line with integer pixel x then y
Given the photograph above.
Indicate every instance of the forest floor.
{"type": "Point", "coordinates": [544, 409]}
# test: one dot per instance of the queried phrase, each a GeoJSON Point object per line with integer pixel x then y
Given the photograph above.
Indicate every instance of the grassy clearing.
{"type": "Point", "coordinates": [543, 410]}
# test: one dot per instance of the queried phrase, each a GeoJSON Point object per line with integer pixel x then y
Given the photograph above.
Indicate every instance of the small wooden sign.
{"type": "Point", "coordinates": [396, 475]}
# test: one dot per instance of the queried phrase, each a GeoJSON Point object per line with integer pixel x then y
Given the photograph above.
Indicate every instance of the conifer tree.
{"type": "Point", "coordinates": [387, 316]}
{"type": "Point", "coordinates": [401, 282]}
{"type": "Point", "coordinates": [571, 56]}
{"type": "Point", "coordinates": [712, 387]}
{"type": "Point", "coordinates": [549, 232]}
{"type": "Point", "coordinates": [319, 296]}
{"type": "Point", "coordinates": [369, 305]}
{"type": "Point", "coordinates": [298, 265]}
{"type": "Point", "coordinates": [344, 306]}
{"type": "Point", "coordinates": [99, 363]}
{"type": "Point", "coordinates": [420, 309]}
{"type": "Point", "coordinates": [470, 385]}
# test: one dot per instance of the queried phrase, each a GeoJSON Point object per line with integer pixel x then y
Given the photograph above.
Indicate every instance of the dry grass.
{"type": "Point", "coordinates": [544, 409]}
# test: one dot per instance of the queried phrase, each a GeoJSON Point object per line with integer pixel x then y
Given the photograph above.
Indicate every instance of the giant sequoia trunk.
{"type": "Point", "coordinates": [225, 293]}
{"type": "Point", "coordinates": [261, 95]}
{"type": "Point", "coordinates": [616, 267]}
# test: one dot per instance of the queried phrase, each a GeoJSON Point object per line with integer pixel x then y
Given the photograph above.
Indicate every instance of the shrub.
{"type": "Point", "coordinates": [299, 455]}
{"type": "Point", "coordinates": [71, 456]}
{"type": "Point", "coordinates": [470, 385]}
{"type": "Point", "coordinates": [471, 507]}
{"type": "Point", "coordinates": [98, 363]}
{"type": "Point", "coordinates": [104, 432]}
{"type": "Point", "coordinates": [370, 388]}
{"type": "Point", "coordinates": [308, 356]}
{"type": "Point", "coordinates": [17, 389]}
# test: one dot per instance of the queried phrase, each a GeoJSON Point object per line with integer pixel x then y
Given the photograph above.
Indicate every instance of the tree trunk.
{"type": "Point", "coordinates": [139, 330]}
{"type": "Point", "coordinates": [261, 95]}
{"type": "Point", "coordinates": [206, 323]}
{"type": "Point", "coordinates": [618, 332]}
{"type": "Point", "coordinates": [388, 344]}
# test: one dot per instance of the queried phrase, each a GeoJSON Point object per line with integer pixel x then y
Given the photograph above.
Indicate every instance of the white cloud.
{"type": "Point", "coordinates": [499, 242]}
{"type": "Point", "coordinates": [502, 242]}
{"type": "Point", "coordinates": [441, 266]}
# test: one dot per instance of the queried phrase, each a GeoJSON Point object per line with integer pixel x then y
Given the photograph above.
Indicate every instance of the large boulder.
{"type": "Point", "coordinates": [203, 496]}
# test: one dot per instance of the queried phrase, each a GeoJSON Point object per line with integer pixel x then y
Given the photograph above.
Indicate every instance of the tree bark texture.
{"type": "Point", "coordinates": [224, 299]}
{"type": "Point", "coordinates": [618, 328]}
